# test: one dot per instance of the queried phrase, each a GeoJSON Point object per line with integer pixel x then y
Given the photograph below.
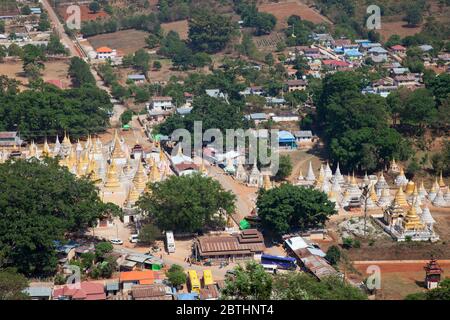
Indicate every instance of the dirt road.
{"type": "Point", "coordinates": [74, 51]}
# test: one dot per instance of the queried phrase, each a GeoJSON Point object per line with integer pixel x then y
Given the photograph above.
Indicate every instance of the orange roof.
{"type": "Point", "coordinates": [147, 275]}
{"type": "Point", "coordinates": [146, 281]}
{"type": "Point", "coordinates": [104, 49]}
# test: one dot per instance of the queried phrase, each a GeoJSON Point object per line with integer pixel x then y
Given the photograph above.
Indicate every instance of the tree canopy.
{"type": "Point", "coordinates": [288, 207]}
{"type": "Point", "coordinates": [40, 113]}
{"type": "Point", "coordinates": [40, 203]}
{"type": "Point", "coordinates": [12, 285]}
{"type": "Point", "coordinates": [187, 203]}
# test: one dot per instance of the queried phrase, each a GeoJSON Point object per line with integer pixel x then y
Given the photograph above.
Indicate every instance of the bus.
{"type": "Point", "coordinates": [194, 283]}
{"type": "Point", "coordinates": [282, 262]}
{"type": "Point", "coordinates": [207, 277]}
{"type": "Point", "coordinates": [270, 268]}
{"type": "Point", "coordinates": [170, 241]}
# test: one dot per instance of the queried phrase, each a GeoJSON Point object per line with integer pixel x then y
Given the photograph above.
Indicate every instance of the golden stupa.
{"type": "Point", "coordinates": [410, 187]}
{"type": "Point", "coordinates": [80, 169]}
{"type": "Point", "coordinates": [373, 194]}
{"type": "Point", "coordinates": [400, 198]}
{"type": "Point", "coordinates": [66, 141]}
{"type": "Point", "coordinates": [140, 179]}
{"type": "Point", "coordinates": [354, 183]}
{"type": "Point", "coordinates": [155, 175]}
{"type": "Point", "coordinates": [91, 171]}
{"type": "Point", "coordinates": [112, 181]}
{"type": "Point", "coordinates": [133, 196]}
{"type": "Point", "coordinates": [46, 151]}
{"type": "Point", "coordinates": [117, 149]}
{"type": "Point", "coordinates": [412, 220]}
{"type": "Point", "coordinates": [71, 159]}
{"type": "Point", "coordinates": [266, 182]}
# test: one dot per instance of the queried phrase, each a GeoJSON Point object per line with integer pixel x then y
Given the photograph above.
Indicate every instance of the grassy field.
{"type": "Point", "coordinates": [181, 27]}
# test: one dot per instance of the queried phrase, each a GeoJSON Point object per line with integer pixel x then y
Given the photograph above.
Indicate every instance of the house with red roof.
{"type": "Point", "coordinates": [398, 49]}
{"type": "Point", "coordinates": [336, 64]}
{"type": "Point", "coordinates": [105, 53]}
{"type": "Point", "coordinates": [85, 290]}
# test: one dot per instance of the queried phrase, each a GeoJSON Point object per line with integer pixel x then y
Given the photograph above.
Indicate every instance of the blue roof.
{"type": "Point", "coordinates": [353, 53]}
{"type": "Point", "coordinates": [285, 136]}
{"type": "Point", "coordinates": [112, 286]}
{"type": "Point", "coordinates": [187, 296]}
{"type": "Point", "coordinates": [38, 291]}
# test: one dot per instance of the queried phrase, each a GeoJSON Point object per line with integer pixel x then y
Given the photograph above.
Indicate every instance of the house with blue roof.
{"type": "Point", "coordinates": [286, 139]}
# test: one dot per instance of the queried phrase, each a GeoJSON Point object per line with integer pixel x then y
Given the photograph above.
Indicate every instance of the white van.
{"type": "Point", "coordinates": [170, 242]}
{"type": "Point", "coordinates": [134, 238]}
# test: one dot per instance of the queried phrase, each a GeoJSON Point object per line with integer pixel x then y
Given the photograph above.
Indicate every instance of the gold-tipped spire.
{"type": "Point", "coordinates": [46, 151]}
{"type": "Point", "coordinates": [91, 171]}
{"type": "Point", "coordinates": [373, 194]}
{"type": "Point", "coordinates": [410, 186]}
{"type": "Point", "coordinates": [132, 197]}
{"type": "Point", "coordinates": [155, 175]}
{"type": "Point", "coordinates": [400, 198]}
{"type": "Point", "coordinates": [112, 181]}
{"type": "Point", "coordinates": [140, 179]}
{"type": "Point", "coordinates": [412, 220]}
{"type": "Point", "coordinates": [267, 184]}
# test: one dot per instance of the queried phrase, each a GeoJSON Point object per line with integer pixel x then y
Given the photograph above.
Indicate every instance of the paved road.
{"type": "Point", "coordinates": [74, 51]}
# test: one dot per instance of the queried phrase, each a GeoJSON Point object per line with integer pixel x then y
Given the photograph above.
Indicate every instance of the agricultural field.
{"type": "Point", "coordinates": [269, 42]}
{"type": "Point", "coordinates": [182, 27]}
{"type": "Point", "coordinates": [124, 41]}
{"type": "Point", "coordinates": [8, 8]}
{"type": "Point", "coordinates": [86, 14]}
{"type": "Point", "coordinates": [283, 10]}
{"type": "Point", "coordinates": [54, 70]}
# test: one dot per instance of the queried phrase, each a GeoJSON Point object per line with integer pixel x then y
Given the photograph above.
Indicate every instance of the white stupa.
{"type": "Point", "coordinates": [310, 175]}
{"type": "Point", "coordinates": [422, 191]}
{"type": "Point", "coordinates": [401, 180]}
{"type": "Point", "coordinates": [439, 200]}
{"type": "Point", "coordinates": [381, 184]}
{"type": "Point", "coordinates": [338, 176]}
{"type": "Point", "coordinates": [327, 172]}
{"type": "Point", "coordinates": [385, 198]}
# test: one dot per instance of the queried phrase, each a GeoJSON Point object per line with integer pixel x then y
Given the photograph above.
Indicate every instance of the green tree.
{"type": "Point", "coordinates": [187, 203]}
{"type": "Point", "coordinates": [157, 65]}
{"type": "Point", "coordinates": [80, 72]}
{"type": "Point", "coordinates": [25, 10]}
{"type": "Point", "coordinates": [12, 285]}
{"type": "Point", "coordinates": [302, 286]}
{"type": "Point", "coordinates": [40, 203]}
{"type": "Point", "coordinates": [149, 233]}
{"type": "Point", "coordinates": [176, 275]}
{"type": "Point", "coordinates": [103, 248]}
{"type": "Point", "coordinates": [419, 108]}
{"type": "Point", "coordinates": [285, 167]}
{"type": "Point", "coordinates": [44, 23]}
{"type": "Point", "coordinates": [2, 26]}
{"type": "Point", "coordinates": [250, 282]}
{"type": "Point", "coordinates": [141, 60]}
{"type": "Point", "coordinates": [210, 32]}
{"type": "Point", "coordinates": [287, 208]}
{"type": "Point", "coordinates": [126, 117]}
{"type": "Point", "coordinates": [153, 41]}
{"type": "Point", "coordinates": [333, 255]}
{"type": "Point", "coordinates": [414, 15]}
{"type": "Point", "coordinates": [94, 7]}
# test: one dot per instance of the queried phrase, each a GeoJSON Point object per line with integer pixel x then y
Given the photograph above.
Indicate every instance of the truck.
{"type": "Point", "coordinates": [170, 242]}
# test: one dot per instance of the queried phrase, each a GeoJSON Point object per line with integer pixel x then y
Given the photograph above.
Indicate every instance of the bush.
{"type": "Point", "coordinates": [333, 255]}
{"type": "Point", "coordinates": [347, 243]}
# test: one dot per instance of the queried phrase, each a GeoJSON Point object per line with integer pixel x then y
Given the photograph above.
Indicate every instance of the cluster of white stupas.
{"type": "Point", "coordinates": [120, 171]}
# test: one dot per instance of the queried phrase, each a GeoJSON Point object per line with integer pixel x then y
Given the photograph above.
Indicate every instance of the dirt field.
{"type": "Point", "coordinates": [181, 27]}
{"type": "Point", "coordinates": [86, 14]}
{"type": "Point", "coordinates": [125, 41]}
{"type": "Point", "coordinates": [283, 10]}
{"type": "Point", "coordinates": [54, 70]}
{"type": "Point", "coordinates": [401, 279]}
{"type": "Point", "coordinates": [397, 27]}
{"type": "Point", "coordinates": [8, 8]}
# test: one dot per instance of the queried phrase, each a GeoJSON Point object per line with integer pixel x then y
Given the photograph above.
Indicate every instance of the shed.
{"type": "Point", "coordinates": [287, 139]}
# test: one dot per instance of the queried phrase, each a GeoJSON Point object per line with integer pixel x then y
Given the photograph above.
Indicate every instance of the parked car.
{"type": "Point", "coordinates": [134, 238]}
{"type": "Point", "coordinates": [116, 241]}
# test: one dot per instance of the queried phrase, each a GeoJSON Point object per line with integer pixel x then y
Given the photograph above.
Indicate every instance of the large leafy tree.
{"type": "Point", "coordinates": [210, 32]}
{"type": "Point", "coordinates": [301, 286]}
{"type": "Point", "coordinates": [250, 282]}
{"type": "Point", "coordinates": [12, 285]}
{"type": "Point", "coordinates": [290, 207]}
{"type": "Point", "coordinates": [41, 202]}
{"type": "Point", "coordinates": [176, 275]}
{"type": "Point", "coordinates": [50, 110]}
{"type": "Point", "coordinates": [187, 203]}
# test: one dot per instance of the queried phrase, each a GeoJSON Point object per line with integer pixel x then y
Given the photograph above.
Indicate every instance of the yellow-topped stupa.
{"type": "Point", "coordinates": [400, 198]}
{"type": "Point", "coordinates": [66, 141]}
{"type": "Point", "coordinates": [373, 194]}
{"type": "Point", "coordinates": [410, 187]}
{"type": "Point", "coordinates": [91, 171]}
{"type": "Point", "coordinates": [412, 220]}
{"type": "Point", "coordinates": [133, 196]}
{"type": "Point", "coordinates": [71, 159]}
{"type": "Point", "coordinates": [46, 151]}
{"type": "Point", "coordinates": [112, 181]}
{"type": "Point", "coordinates": [155, 175]}
{"type": "Point", "coordinates": [140, 179]}
{"type": "Point", "coordinates": [266, 182]}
